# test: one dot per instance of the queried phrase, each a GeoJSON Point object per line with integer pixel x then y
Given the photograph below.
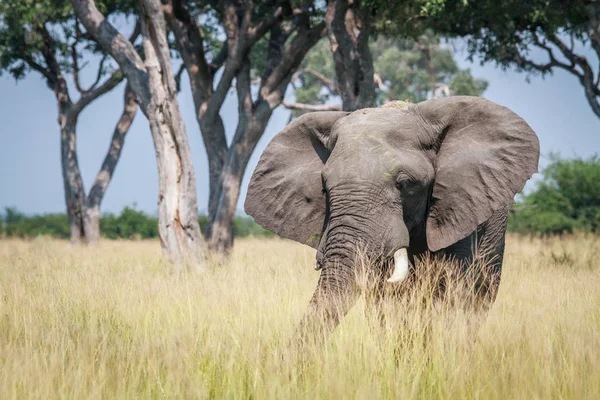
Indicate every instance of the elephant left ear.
{"type": "Point", "coordinates": [486, 155]}
{"type": "Point", "coordinates": [285, 194]}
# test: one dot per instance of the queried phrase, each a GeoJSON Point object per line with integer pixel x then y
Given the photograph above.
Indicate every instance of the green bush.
{"type": "Point", "coordinates": [16, 224]}
{"type": "Point", "coordinates": [566, 199]}
{"type": "Point", "coordinates": [129, 224]}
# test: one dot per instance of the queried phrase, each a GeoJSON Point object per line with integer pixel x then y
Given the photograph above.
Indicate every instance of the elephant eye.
{"type": "Point", "coordinates": [406, 181]}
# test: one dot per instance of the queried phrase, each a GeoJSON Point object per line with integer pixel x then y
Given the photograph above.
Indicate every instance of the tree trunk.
{"type": "Point", "coordinates": [348, 26]}
{"type": "Point", "coordinates": [153, 83]}
{"type": "Point", "coordinates": [220, 225]}
{"type": "Point", "coordinates": [249, 132]}
{"type": "Point", "coordinates": [73, 183]}
{"type": "Point", "coordinates": [91, 223]}
{"type": "Point", "coordinates": [213, 134]}
{"type": "Point", "coordinates": [179, 228]}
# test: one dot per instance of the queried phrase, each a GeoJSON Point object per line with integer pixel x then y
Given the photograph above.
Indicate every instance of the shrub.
{"type": "Point", "coordinates": [567, 198]}
{"type": "Point", "coordinates": [129, 224]}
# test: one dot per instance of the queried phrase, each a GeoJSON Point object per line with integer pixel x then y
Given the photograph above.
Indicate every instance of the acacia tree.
{"type": "Point", "coordinates": [506, 33]}
{"type": "Point", "coordinates": [153, 83]}
{"type": "Point", "coordinates": [405, 69]}
{"type": "Point", "coordinates": [264, 45]}
{"type": "Point", "coordinates": [43, 36]}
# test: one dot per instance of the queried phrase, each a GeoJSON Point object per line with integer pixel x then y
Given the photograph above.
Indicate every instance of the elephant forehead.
{"type": "Point", "coordinates": [378, 126]}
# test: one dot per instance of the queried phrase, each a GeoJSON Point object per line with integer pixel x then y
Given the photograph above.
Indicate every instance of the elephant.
{"type": "Point", "coordinates": [400, 180]}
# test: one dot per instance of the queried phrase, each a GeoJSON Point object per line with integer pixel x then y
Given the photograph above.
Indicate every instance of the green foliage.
{"type": "Point", "coordinates": [38, 35]}
{"type": "Point", "coordinates": [463, 83]}
{"type": "Point", "coordinates": [16, 224]}
{"type": "Point", "coordinates": [245, 226]}
{"type": "Point", "coordinates": [405, 66]}
{"type": "Point", "coordinates": [308, 88]}
{"type": "Point", "coordinates": [567, 199]}
{"type": "Point", "coordinates": [409, 68]}
{"type": "Point", "coordinates": [506, 31]}
{"type": "Point", "coordinates": [129, 224]}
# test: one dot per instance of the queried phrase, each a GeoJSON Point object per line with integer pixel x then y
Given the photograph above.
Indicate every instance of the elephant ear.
{"type": "Point", "coordinates": [285, 194]}
{"type": "Point", "coordinates": [486, 154]}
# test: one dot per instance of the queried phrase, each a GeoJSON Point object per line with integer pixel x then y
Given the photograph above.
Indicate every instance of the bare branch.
{"type": "Point", "coordinates": [74, 58]}
{"type": "Point", "coordinates": [48, 51]}
{"type": "Point", "coordinates": [219, 59]}
{"type": "Point", "coordinates": [115, 44]}
{"type": "Point", "coordinates": [190, 43]}
{"type": "Point", "coordinates": [137, 30]}
{"type": "Point", "coordinates": [552, 60]}
{"type": "Point", "coordinates": [328, 83]}
{"type": "Point", "coordinates": [311, 107]}
{"type": "Point", "coordinates": [586, 75]}
{"type": "Point", "coordinates": [291, 57]}
{"type": "Point", "coordinates": [132, 38]}
{"type": "Point", "coordinates": [234, 62]}
{"type": "Point", "coordinates": [105, 174]}
{"type": "Point", "coordinates": [100, 72]}
{"type": "Point", "coordinates": [258, 31]}
{"type": "Point", "coordinates": [89, 96]}
{"type": "Point", "coordinates": [178, 77]}
{"type": "Point", "coordinates": [46, 73]}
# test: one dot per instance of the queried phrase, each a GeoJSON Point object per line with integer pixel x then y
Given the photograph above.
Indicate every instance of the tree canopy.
{"type": "Point", "coordinates": [405, 69]}
{"type": "Point", "coordinates": [536, 37]}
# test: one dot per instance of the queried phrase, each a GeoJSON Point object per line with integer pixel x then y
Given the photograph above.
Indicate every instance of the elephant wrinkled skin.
{"type": "Point", "coordinates": [397, 181]}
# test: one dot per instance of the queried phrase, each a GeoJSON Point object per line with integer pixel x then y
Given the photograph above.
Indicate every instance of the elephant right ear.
{"type": "Point", "coordinates": [285, 194]}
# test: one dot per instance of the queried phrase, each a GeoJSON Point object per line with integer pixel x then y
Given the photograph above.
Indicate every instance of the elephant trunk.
{"type": "Point", "coordinates": [336, 293]}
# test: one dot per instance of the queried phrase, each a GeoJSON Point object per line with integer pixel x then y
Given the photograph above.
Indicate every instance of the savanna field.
{"type": "Point", "coordinates": [114, 321]}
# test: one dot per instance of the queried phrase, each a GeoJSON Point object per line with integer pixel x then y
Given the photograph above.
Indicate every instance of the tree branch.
{"type": "Point", "coordinates": [273, 87]}
{"type": "Point", "coordinates": [116, 45]}
{"type": "Point", "coordinates": [46, 73]}
{"type": "Point", "coordinates": [74, 58]}
{"type": "Point", "coordinates": [219, 59]}
{"type": "Point", "coordinates": [99, 73]}
{"type": "Point", "coordinates": [235, 58]}
{"type": "Point", "coordinates": [258, 31]}
{"type": "Point", "coordinates": [178, 77]}
{"type": "Point", "coordinates": [311, 107]}
{"type": "Point", "coordinates": [190, 44]}
{"type": "Point", "coordinates": [48, 51]}
{"type": "Point", "coordinates": [106, 172]}
{"type": "Point", "coordinates": [89, 96]}
{"type": "Point", "coordinates": [328, 83]}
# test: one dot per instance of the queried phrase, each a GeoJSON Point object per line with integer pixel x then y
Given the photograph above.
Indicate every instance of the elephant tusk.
{"type": "Point", "coordinates": [400, 266]}
{"type": "Point", "coordinates": [318, 266]}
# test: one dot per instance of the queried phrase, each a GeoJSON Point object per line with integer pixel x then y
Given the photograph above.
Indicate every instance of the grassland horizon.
{"type": "Point", "coordinates": [114, 321]}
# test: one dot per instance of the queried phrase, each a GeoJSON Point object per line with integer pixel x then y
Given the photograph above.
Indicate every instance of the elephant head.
{"type": "Point", "coordinates": [416, 177]}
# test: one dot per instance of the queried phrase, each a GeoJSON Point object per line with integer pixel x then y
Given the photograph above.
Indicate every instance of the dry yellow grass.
{"type": "Point", "coordinates": [113, 322]}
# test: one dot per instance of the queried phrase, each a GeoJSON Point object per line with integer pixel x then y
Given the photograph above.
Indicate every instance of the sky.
{"type": "Point", "coordinates": [30, 173]}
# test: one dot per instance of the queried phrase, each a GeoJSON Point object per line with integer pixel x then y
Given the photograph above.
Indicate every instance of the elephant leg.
{"type": "Point", "coordinates": [491, 235]}
{"type": "Point", "coordinates": [337, 291]}
{"type": "Point", "coordinates": [483, 253]}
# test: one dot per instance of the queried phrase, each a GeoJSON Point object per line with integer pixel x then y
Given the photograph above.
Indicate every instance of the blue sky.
{"type": "Point", "coordinates": [30, 175]}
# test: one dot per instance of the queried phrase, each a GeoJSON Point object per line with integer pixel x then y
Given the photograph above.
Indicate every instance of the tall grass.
{"type": "Point", "coordinates": [111, 321]}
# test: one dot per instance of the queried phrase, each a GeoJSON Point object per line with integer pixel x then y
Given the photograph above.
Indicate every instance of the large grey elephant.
{"type": "Point", "coordinates": [399, 181]}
